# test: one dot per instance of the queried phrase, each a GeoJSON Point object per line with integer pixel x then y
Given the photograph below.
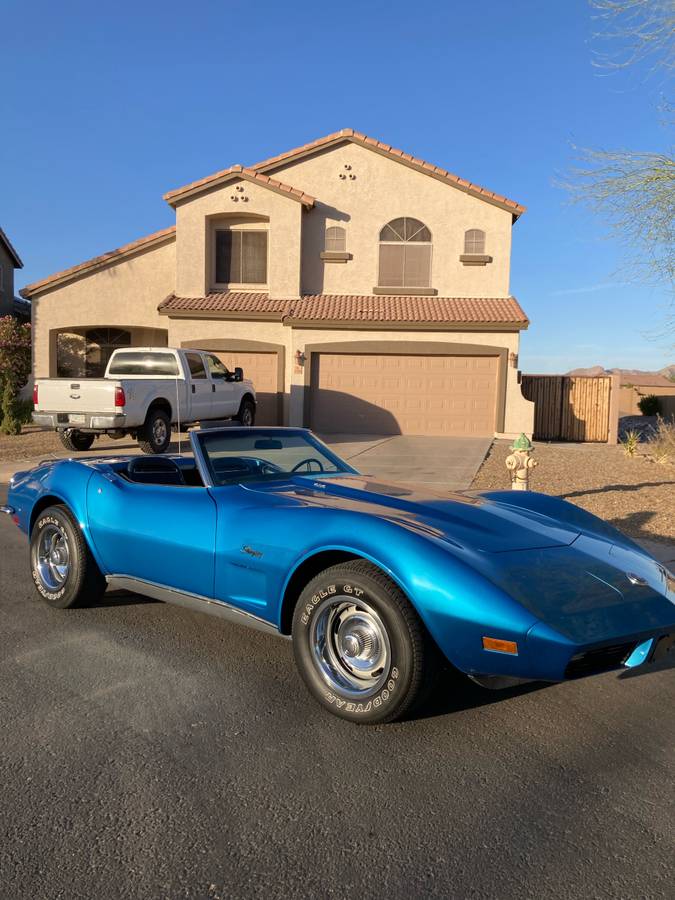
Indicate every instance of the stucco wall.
{"type": "Point", "coordinates": [629, 397]}
{"type": "Point", "coordinates": [126, 293]}
{"type": "Point", "coordinates": [194, 218]}
{"type": "Point", "coordinates": [381, 190]}
{"type": "Point", "coordinates": [7, 282]}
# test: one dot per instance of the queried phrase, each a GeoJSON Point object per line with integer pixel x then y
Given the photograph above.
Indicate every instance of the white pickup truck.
{"type": "Point", "coordinates": [145, 391]}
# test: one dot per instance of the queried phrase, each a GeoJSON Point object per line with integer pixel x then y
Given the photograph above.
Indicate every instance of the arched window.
{"type": "Point", "coordinates": [405, 254]}
{"type": "Point", "coordinates": [336, 239]}
{"type": "Point", "coordinates": [474, 241]}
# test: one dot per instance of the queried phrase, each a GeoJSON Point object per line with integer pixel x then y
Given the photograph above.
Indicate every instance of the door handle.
{"type": "Point", "coordinates": [213, 388]}
{"type": "Point", "coordinates": [193, 388]}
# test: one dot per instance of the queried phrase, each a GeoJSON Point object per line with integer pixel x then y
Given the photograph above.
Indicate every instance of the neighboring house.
{"type": "Point", "coordinates": [638, 385]}
{"type": "Point", "coordinates": [363, 290]}
{"type": "Point", "coordinates": [10, 260]}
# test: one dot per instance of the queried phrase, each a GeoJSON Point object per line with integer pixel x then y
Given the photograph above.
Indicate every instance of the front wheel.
{"type": "Point", "coordinates": [246, 414]}
{"type": "Point", "coordinates": [155, 435]}
{"type": "Point", "coordinates": [72, 439]}
{"type": "Point", "coordinates": [359, 645]}
{"type": "Point", "coordinates": [64, 571]}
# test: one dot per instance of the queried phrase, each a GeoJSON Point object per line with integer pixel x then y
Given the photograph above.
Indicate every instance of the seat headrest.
{"type": "Point", "coordinates": [154, 470]}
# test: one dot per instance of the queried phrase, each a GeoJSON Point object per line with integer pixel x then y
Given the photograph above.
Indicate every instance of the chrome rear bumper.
{"type": "Point", "coordinates": [93, 421]}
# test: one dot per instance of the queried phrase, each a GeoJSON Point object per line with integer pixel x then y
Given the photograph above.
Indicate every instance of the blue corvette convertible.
{"type": "Point", "coordinates": [377, 584]}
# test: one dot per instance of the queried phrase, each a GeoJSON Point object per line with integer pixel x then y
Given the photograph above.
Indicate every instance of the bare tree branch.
{"type": "Point", "coordinates": [637, 30]}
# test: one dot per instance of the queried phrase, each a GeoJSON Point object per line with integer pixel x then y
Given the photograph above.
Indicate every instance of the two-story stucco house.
{"type": "Point", "coordinates": [363, 290]}
{"type": "Point", "coordinates": [9, 261]}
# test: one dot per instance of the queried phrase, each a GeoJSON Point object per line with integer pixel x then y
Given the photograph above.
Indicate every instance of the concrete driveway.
{"type": "Point", "coordinates": [441, 463]}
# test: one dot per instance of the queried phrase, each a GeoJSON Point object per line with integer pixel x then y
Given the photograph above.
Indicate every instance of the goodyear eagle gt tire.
{"type": "Point", "coordinates": [64, 572]}
{"type": "Point", "coordinates": [361, 648]}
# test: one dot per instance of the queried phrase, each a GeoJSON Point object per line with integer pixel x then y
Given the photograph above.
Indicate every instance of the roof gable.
{"type": "Point", "coordinates": [356, 137]}
{"type": "Point", "coordinates": [99, 262]}
{"type": "Point", "coordinates": [5, 241]}
{"type": "Point", "coordinates": [237, 173]}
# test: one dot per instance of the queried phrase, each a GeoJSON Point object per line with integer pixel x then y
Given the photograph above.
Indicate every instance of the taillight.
{"type": "Point", "coordinates": [35, 394]}
{"type": "Point", "coordinates": [120, 399]}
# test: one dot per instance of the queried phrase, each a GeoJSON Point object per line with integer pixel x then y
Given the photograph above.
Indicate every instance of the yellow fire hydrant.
{"type": "Point", "coordinates": [520, 462]}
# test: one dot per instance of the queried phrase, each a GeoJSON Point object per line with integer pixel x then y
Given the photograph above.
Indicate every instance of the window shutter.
{"type": "Point", "coordinates": [336, 239]}
{"type": "Point", "coordinates": [417, 265]}
{"type": "Point", "coordinates": [474, 241]}
{"type": "Point", "coordinates": [253, 257]}
{"type": "Point", "coordinates": [391, 265]}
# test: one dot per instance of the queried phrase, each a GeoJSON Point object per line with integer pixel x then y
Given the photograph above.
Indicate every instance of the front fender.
{"type": "Point", "coordinates": [456, 603]}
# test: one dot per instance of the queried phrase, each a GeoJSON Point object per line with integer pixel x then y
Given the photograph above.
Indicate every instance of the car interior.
{"type": "Point", "coordinates": [160, 470]}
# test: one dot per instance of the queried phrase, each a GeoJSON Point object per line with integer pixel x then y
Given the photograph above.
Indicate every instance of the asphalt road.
{"type": "Point", "coordinates": [146, 751]}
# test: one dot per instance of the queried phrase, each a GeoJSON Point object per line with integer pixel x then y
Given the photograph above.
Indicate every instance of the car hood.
{"type": "Point", "coordinates": [472, 522]}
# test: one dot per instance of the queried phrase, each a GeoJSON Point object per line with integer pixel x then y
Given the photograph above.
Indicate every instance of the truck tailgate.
{"type": "Point", "coordinates": [78, 395]}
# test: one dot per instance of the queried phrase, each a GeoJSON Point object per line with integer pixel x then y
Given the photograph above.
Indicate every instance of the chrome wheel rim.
{"type": "Point", "coordinates": [53, 557]}
{"type": "Point", "coordinates": [159, 431]}
{"type": "Point", "coordinates": [350, 646]}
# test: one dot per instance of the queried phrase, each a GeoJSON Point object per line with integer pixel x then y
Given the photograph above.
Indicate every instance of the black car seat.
{"type": "Point", "coordinates": [154, 470]}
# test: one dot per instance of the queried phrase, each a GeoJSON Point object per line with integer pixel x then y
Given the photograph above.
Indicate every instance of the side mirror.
{"type": "Point", "coordinates": [238, 373]}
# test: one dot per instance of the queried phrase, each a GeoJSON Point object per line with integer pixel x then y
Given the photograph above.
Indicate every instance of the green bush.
{"type": "Point", "coordinates": [649, 405]}
{"type": "Point", "coordinates": [11, 423]}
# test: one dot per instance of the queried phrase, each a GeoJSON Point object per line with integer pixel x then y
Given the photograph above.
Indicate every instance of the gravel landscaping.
{"type": "Point", "coordinates": [636, 495]}
{"type": "Point", "coordinates": [35, 442]}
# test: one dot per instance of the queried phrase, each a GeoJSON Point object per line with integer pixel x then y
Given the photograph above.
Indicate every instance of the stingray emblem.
{"type": "Point", "coordinates": [636, 579]}
{"type": "Point", "coordinates": [256, 554]}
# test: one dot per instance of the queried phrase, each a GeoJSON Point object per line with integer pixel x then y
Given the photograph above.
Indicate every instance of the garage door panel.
{"type": "Point", "coordinates": [399, 394]}
{"type": "Point", "coordinates": [262, 369]}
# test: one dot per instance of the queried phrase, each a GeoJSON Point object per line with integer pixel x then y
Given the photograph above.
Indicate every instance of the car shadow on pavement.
{"type": "Point", "coordinates": [121, 598]}
{"type": "Point", "coordinates": [455, 692]}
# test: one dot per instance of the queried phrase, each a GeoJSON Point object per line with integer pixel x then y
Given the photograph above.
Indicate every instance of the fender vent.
{"type": "Point", "coordinates": [601, 660]}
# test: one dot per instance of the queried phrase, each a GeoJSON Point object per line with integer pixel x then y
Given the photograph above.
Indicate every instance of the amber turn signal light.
{"type": "Point", "coordinates": [500, 646]}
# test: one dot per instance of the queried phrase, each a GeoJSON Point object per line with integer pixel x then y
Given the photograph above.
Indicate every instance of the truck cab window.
{"type": "Point", "coordinates": [196, 365]}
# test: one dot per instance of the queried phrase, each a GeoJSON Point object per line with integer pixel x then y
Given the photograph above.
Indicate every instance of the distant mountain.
{"type": "Point", "coordinates": [631, 376]}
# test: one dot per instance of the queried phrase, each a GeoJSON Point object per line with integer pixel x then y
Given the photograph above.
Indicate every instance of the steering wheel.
{"type": "Point", "coordinates": [308, 462]}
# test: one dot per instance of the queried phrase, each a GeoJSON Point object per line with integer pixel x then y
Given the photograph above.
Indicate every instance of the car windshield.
{"type": "Point", "coordinates": [255, 454]}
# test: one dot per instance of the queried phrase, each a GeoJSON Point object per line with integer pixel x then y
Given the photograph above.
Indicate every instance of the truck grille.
{"type": "Point", "coordinates": [601, 660]}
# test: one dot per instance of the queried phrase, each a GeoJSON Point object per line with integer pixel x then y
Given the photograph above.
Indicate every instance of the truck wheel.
{"type": "Point", "coordinates": [360, 647]}
{"type": "Point", "coordinates": [64, 571]}
{"type": "Point", "coordinates": [75, 440]}
{"type": "Point", "coordinates": [155, 435]}
{"type": "Point", "coordinates": [246, 414]}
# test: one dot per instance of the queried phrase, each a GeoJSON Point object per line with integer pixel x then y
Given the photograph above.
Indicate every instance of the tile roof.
{"type": "Point", "coordinates": [233, 173]}
{"type": "Point", "coordinates": [98, 262]}
{"type": "Point", "coordinates": [12, 252]}
{"type": "Point", "coordinates": [353, 308]}
{"type": "Point", "coordinates": [357, 137]}
{"type": "Point", "coordinates": [230, 302]}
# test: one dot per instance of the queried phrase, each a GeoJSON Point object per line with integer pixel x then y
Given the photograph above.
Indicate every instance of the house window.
{"type": "Point", "coordinates": [241, 257]}
{"type": "Point", "coordinates": [100, 343]}
{"type": "Point", "coordinates": [405, 254]}
{"type": "Point", "coordinates": [336, 239]}
{"type": "Point", "coordinates": [474, 241]}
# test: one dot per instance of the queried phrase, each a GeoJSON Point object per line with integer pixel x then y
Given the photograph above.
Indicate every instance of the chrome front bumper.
{"type": "Point", "coordinates": [81, 421]}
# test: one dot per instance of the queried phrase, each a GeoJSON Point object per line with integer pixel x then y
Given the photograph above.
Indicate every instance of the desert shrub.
{"type": "Point", "coordinates": [24, 411]}
{"type": "Point", "coordinates": [649, 405]}
{"type": "Point", "coordinates": [630, 442]}
{"type": "Point", "coordinates": [661, 445]}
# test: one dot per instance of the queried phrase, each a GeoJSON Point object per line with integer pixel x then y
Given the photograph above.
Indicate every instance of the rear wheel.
{"type": "Point", "coordinates": [246, 414]}
{"type": "Point", "coordinates": [75, 440]}
{"type": "Point", "coordinates": [64, 572]}
{"type": "Point", "coordinates": [361, 648]}
{"type": "Point", "coordinates": [155, 435]}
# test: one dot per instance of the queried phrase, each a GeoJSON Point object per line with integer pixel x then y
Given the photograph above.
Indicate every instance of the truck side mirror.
{"type": "Point", "coordinates": [238, 373]}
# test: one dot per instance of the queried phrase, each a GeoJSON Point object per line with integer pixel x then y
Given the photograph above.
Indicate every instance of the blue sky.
{"type": "Point", "coordinates": [105, 107]}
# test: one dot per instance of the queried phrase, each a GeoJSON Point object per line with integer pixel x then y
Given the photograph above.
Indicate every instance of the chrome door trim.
{"type": "Point", "coordinates": [191, 601]}
{"type": "Point", "coordinates": [198, 454]}
{"type": "Point", "coordinates": [7, 510]}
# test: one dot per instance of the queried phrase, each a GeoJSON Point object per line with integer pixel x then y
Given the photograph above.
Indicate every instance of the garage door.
{"type": "Point", "coordinates": [261, 368]}
{"type": "Point", "coordinates": [392, 394]}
